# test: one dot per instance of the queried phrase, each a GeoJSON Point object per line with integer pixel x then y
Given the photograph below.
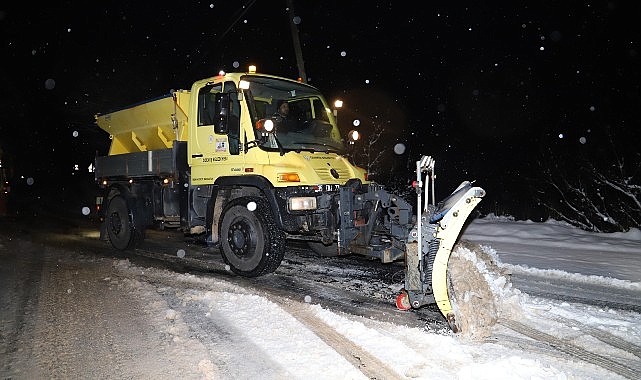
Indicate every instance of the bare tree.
{"type": "Point", "coordinates": [595, 195]}
{"type": "Point", "coordinates": [376, 154]}
{"type": "Point", "coordinates": [369, 153]}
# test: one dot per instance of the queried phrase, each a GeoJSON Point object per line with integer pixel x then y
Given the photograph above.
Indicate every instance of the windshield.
{"type": "Point", "coordinates": [301, 116]}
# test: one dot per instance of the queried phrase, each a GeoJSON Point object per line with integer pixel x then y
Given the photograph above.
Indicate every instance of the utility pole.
{"type": "Point", "coordinates": [297, 49]}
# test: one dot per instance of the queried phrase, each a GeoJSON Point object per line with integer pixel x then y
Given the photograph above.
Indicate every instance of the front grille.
{"type": "Point", "coordinates": [325, 175]}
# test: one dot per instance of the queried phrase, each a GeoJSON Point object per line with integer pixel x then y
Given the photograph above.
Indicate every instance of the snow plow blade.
{"type": "Point", "coordinates": [428, 252]}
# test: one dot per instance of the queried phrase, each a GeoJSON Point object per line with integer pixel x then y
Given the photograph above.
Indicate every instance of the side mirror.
{"type": "Point", "coordinates": [264, 127]}
{"type": "Point", "coordinates": [222, 113]}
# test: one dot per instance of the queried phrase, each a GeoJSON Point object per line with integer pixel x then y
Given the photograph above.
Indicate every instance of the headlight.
{"type": "Point", "coordinates": [269, 125]}
{"type": "Point", "coordinates": [301, 203]}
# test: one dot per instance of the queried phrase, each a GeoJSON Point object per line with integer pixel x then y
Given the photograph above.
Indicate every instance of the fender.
{"type": "Point", "coordinates": [256, 181]}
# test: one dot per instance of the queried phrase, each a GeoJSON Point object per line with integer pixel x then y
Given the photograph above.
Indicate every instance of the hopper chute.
{"type": "Point", "coordinates": [147, 126]}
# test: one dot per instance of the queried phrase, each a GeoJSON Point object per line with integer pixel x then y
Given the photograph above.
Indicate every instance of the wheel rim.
{"type": "Point", "coordinates": [242, 239]}
{"type": "Point", "coordinates": [115, 222]}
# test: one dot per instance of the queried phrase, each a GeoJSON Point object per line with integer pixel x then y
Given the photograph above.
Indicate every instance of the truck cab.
{"type": "Point", "coordinates": [237, 140]}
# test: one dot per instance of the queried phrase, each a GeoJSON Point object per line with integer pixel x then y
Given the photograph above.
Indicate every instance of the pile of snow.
{"type": "Point", "coordinates": [480, 289]}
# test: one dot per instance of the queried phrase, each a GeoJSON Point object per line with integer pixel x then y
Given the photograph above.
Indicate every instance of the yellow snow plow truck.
{"type": "Point", "coordinates": [220, 161]}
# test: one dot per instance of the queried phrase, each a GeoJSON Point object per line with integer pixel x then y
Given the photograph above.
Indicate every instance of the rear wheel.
{"type": "Point", "coordinates": [120, 230]}
{"type": "Point", "coordinates": [250, 241]}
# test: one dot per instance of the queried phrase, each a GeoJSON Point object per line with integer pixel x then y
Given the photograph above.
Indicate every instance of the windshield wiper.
{"type": "Point", "coordinates": [305, 146]}
{"type": "Point", "coordinates": [279, 145]}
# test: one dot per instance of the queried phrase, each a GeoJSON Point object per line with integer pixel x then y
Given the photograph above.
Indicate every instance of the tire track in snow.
{"type": "Point", "coordinates": [572, 350]}
{"type": "Point", "coordinates": [601, 335]}
{"type": "Point", "coordinates": [367, 363]}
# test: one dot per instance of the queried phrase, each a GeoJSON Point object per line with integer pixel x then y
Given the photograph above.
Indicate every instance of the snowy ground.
{"type": "Point", "coordinates": [91, 316]}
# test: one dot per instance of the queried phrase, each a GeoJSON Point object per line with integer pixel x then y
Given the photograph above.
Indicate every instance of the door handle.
{"type": "Point", "coordinates": [197, 155]}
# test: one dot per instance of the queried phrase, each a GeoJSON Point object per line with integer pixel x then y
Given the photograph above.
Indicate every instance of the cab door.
{"type": "Point", "coordinates": [214, 140]}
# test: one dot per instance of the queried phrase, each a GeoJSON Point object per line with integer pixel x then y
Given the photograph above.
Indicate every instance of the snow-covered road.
{"type": "Point", "coordinates": [71, 308]}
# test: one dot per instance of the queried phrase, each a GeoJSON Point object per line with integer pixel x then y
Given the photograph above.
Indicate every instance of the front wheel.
{"type": "Point", "coordinates": [250, 241]}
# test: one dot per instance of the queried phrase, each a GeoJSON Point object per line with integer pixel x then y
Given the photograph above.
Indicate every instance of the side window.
{"type": "Point", "coordinates": [302, 111]}
{"type": "Point", "coordinates": [207, 104]}
{"type": "Point", "coordinates": [319, 110]}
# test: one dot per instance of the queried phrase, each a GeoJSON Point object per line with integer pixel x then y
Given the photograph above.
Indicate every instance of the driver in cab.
{"type": "Point", "coordinates": [284, 122]}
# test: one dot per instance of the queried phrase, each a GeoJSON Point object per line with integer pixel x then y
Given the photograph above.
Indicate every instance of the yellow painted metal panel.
{"type": "Point", "coordinates": [148, 126]}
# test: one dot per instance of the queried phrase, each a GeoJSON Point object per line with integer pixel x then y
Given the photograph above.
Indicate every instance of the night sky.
{"type": "Point", "coordinates": [493, 92]}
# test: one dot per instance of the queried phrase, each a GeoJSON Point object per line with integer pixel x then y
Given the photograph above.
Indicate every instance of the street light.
{"type": "Point", "coordinates": [337, 104]}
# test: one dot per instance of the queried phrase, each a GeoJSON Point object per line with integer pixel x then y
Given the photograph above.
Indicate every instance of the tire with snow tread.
{"type": "Point", "coordinates": [120, 231]}
{"type": "Point", "coordinates": [250, 241]}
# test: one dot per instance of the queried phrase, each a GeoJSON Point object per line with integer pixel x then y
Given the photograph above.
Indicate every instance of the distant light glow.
{"type": "Point", "coordinates": [343, 53]}
{"type": "Point", "coordinates": [582, 140]}
{"type": "Point", "coordinates": [356, 122]}
{"type": "Point", "coordinates": [561, 135]}
{"type": "Point", "coordinates": [592, 108]}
